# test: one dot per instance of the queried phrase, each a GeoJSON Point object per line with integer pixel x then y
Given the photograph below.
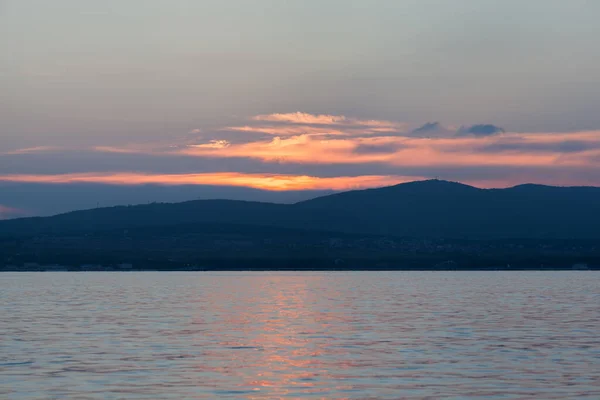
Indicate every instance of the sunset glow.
{"type": "Point", "coordinates": [318, 146]}
{"type": "Point", "coordinates": [301, 118]}
{"type": "Point", "coordinates": [257, 181]}
{"type": "Point", "coordinates": [294, 151]}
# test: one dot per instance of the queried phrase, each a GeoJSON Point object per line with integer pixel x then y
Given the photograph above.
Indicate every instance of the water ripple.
{"type": "Point", "coordinates": [379, 335]}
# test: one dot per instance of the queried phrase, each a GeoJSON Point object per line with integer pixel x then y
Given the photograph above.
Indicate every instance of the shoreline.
{"type": "Point", "coordinates": [308, 269]}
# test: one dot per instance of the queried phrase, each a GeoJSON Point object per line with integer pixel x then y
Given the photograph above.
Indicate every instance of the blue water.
{"type": "Point", "coordinates": [356, 335]}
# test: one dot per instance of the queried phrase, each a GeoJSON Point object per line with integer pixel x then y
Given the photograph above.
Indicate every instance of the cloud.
{"type": "Point", "coordinates": [275, 182]}
{"type": "Point", "coordinates": [480, 130]}
{"type": "Point", "coordinates": [301, 118]}
{"type": "Point", "coordinates": [322, 126]}
{"type": "Point", "coordinates": [404, 151]}
{"type": "Point", "coordinates": [302, 149]}
{"type": "Point", "coordinates": [427, 127]}
{"type": "Point", "coordinates": [32, 150]}
{"type": "Point", "coordinates": [213, 144]}
{"type": "Point", "coordinates": [432, 129]}
{"type": "Point", "coordinates": [122, 150]}
{"type": "Point", "coordinates": [566, 146]}
{"type": "Point", "coordinates": [321, 152]}
{"type": "Point", "coordinates": [289, 130]}
{"type": "Point", "coordinates": [310, 152]}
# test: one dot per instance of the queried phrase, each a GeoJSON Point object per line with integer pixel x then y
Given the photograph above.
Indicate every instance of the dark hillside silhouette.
{"type": "Point", "coordinates": [428, 209]}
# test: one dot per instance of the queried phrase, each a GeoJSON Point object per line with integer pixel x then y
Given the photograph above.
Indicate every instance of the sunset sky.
{"type": "Point", "coordinates": [291, 96]}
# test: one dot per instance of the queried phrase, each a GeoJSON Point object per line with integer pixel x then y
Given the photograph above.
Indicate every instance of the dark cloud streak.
{"type": "Point", "coordinates": [567, 146]}
{"type": "Point", "coordinates": [481, 130]}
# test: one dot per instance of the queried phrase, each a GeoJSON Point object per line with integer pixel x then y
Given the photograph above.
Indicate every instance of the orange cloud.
{"type": "Point", "coordinates": [309, 139]}
{"type": "Point", "coordinates": [273, 182]}
{"type": "Point", "coordinates": [301, 118]}
{"type": "Point", "coordinates": [403, 152]}
{"type": "Point", "coordinates": [410, 151]}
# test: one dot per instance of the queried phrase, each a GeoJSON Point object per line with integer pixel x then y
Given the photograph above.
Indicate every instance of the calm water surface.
{"type": "Point", "coordinates": [358, 335]}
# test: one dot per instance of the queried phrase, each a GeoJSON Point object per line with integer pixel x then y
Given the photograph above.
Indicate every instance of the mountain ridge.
{"type": "Point", "coordinates": [430, 208]}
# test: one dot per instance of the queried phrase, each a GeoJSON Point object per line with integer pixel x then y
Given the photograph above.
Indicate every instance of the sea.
{"type": "Point", "coordinates": [319, 335]}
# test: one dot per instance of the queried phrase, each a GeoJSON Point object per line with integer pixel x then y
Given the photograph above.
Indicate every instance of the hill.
{"type": "Point", "coordinates": [426, 209]}
{"type": "Point", "coordinates": [447, 209]}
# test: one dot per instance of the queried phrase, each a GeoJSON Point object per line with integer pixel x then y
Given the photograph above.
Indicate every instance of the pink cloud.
{"type": "Point", "coordinates": [301, 118]}
{"type": "Point", "coordinates": [322, 140]}
{"type": "Point", "coordinates": [275, 182]}
{"type": "Point", "coordinates": [213, 144]}
{"type": "Point", "coordinates": [406, 151]}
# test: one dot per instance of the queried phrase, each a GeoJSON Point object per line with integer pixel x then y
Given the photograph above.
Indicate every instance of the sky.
{"type": "Point", "coordinates": [230, 98]}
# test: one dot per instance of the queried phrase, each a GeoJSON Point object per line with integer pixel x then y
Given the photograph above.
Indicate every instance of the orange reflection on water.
{"type": "Point", "coordinates": [284, 342]}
